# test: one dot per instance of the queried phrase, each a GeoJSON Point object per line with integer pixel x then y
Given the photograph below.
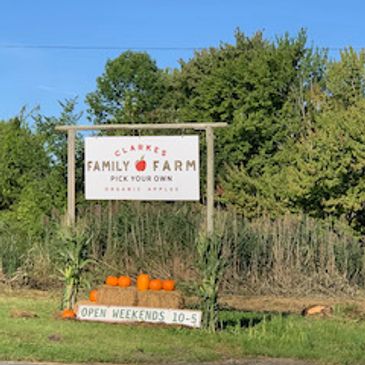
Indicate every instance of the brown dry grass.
{"type": "Point", "coordinates": [17, 313]}
{"type": "Point", "coordinates": [264, 303]}
{"type": "Point", "coordinates": [160, 299]}
{"type": "Point", "coordinates": [8, 291]}
{"type": "Point", "coordinates": [288, 304]}
{"type": "Point", "coordinates": [110, 295]}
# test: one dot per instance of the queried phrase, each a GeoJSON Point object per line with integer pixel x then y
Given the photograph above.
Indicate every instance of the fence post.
{"type": "Point", "coordinates": [71, 180]}
{"type": "Point", "coordinates": [210, 181]}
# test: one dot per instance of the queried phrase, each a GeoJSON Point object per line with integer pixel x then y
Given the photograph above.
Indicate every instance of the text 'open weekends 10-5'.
{"type": "Point", "coordinates": [142, 168]}
{"type": "Point", "coordinates": [116, 314]}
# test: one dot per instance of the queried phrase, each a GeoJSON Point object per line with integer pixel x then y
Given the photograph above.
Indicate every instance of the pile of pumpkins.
{"type": "Point", "coordinates": [143, 282]}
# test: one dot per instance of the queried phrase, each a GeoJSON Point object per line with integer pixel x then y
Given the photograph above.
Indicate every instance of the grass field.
{"type": "Point", "coordinates": [336, 340]}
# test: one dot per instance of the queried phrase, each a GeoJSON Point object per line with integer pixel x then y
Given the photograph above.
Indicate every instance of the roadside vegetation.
{"type": "Point", "coordinates": [30, 330]}
{"type": "Point", "coordinates": [290, 210]}
{"type": "Point", "coordinates": [291, 255]}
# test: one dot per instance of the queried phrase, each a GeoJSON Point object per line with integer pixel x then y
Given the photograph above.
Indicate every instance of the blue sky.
{"type": "Point", "coordinates": [31, 77]}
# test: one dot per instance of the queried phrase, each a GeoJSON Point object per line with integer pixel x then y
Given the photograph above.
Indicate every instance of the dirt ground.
{"type": "Point", "coordinates": [293, 305]}
{"type": "Point", "coordinates": [279, 304]}
{"type": "Point", "coordinates": [282, 304]}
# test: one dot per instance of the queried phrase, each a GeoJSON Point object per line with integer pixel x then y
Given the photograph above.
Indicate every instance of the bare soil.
{"type": "Point", "coordinates": [261, 303]}
{"type": "Point", "coordinates": [294, 305]}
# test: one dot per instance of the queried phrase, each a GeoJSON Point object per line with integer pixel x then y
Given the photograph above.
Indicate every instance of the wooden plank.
{"type": "Point", "coordinates": [121, 314]}
{"type": "Point", "coordinates": [210, 181]}
{"type": "Point", "coordinates": [195, 126]}
{"type": "Point", "coordinates": [71, 177]}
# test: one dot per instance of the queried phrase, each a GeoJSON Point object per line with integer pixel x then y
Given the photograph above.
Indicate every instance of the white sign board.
{"type": "Point", "coordinates": [118, 314]}
{"type": "Point", "coordinates": [142, 168]}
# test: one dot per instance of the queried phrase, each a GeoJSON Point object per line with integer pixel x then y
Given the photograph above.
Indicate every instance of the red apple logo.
{"type": "Point", "coordinates": [141, 164]}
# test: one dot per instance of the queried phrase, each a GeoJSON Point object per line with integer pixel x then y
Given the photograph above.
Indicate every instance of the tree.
{"type": "Point", "coordinates": [258, 87]}
{"type": "Point", "coordinates": [130, 90]}
{"type": "Point", "coordinates": [55, 144]}
{"type": "Point", "coordinates": [266, 92]}
{"type": "Point", "coordinates": [346, 79]}
{"type": "Point", "coordinates": [321, 172]}
{"type": "Point", "coordinates": [22, 161]}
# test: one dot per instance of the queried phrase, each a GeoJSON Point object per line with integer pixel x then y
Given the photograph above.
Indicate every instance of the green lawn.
{"type": "Point", "coordinates": [46, 338]}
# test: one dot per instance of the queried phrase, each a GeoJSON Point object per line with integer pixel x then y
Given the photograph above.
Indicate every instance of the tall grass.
{"type": "Point", "coordinates": [291, 255]}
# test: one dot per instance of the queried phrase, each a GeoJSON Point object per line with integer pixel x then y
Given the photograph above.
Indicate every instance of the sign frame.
{"type": "Point", "coordinates": [71, 160]}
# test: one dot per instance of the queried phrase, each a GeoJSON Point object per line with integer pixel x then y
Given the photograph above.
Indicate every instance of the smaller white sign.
{"type": "Point", "coordinates": [118, 314]}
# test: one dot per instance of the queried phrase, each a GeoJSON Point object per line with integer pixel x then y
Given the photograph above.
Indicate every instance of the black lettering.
{"type": "Point", "coordinates": [97, 313]}
{"type": "Point", "coordinates": [162, 316]}
{"type": "Point", "coordinates": [105, 165]}
{"type": "Point", "coordinates": [190, 164]}
{"type": "Point", "coordinates": [115, 313]}
{"type": "Point", "coordinates": [174, 317]}
{"type": "Point", "coordinates": [96, 166]}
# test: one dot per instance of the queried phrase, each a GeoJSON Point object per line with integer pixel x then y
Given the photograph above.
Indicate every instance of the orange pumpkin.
{"type": "Point", "coordinates": [155, 284]}
{"type": "Point", "coordinates": [68, 314]}
{"type": "Point", "coordinates": [124, 281]}
{"type": "Point", "coordinates": [92, 295]}
{"type": "Point", "coordinates": [168, 285]}
{"type": "Point", "coordinates": [111, 280]}
{"type": "Point", "coordinates": [143, 281]}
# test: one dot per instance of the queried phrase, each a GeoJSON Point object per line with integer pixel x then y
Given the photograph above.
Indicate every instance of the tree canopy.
{"type": "Point", "coordinates": [130, 88]}
{"type": "Point", "coordinates": [294, 142]}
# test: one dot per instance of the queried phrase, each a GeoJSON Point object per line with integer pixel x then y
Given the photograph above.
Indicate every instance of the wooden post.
{"type": "Point", "coordinates": [210, 181]}
{"type": "Point", "coordinates": [71, 201]}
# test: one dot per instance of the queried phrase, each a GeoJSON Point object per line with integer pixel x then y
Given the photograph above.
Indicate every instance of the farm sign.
{"type": "Point", "coordinates": [142, 168]}
{"type": "Point", "coordinates": [116, 314]}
